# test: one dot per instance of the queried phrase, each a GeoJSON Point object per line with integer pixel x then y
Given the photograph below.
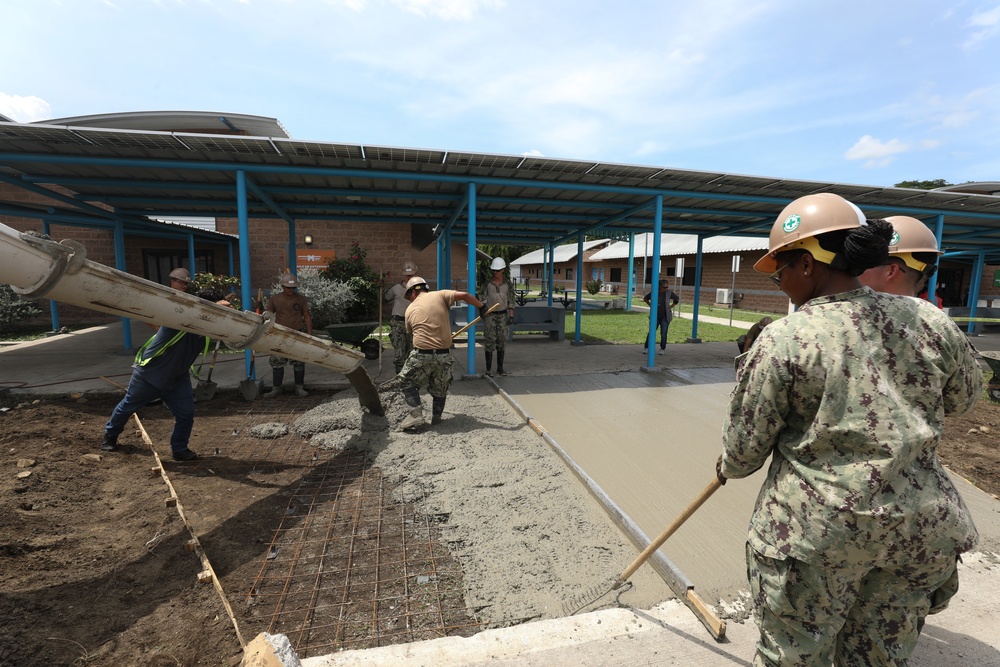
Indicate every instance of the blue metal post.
{"type": "Point", "coordinates": [932, 281]}
{"type": "Point", "coordinates": [697, 293]}
{"type": "Point", "coordinates": [550, 270]}
{"type": "Point", "coordinates": [630, 286]}
{"type": "Point", "coordinates": [579, 285]}
{"type": "Point", "coordinates": [194, 267]}
{"type": "Point", "coordinates": [654, 283]}
{"type": "Point", "coordinates": [232, 260]}
{"type": "Point", "coordinates": [53, 305]}
{"type": "Point", "coordinates": [974, 282]}
{"type": "Point", "coordinates": [471, 289]}
{"type": "Point", "coordinates": [120, 265]}
{"type": "Point", "coordinates": [244, 230]}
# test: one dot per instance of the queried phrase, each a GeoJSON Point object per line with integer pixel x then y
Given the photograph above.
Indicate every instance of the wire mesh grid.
{"type": "Point", "coordinates": [348, 568]}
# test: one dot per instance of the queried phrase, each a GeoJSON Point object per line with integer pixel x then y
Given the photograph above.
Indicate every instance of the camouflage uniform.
{"type": "Point", "coordinates": [432, 369]}
{"type": "Point", "coordinates": [496, 323]}
{"type": "Point", "coordinates": [857, 526]}
{"type": "Point", "coordinates": [402, 342]}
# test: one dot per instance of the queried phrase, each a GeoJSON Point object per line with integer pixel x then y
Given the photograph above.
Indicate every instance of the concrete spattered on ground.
{"type": "Point", "coordinates": [528, 536]}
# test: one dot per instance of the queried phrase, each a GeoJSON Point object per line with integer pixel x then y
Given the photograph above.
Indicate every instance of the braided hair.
{"type": "Point", "coordinates": [860, 248]}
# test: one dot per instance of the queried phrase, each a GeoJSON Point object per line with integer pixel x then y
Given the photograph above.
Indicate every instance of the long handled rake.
{"type": "Point", "coordinates": [594, 594]}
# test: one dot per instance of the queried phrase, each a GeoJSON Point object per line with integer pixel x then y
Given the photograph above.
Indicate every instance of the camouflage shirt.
{"type": "Point", "coordinates": [848, 395]}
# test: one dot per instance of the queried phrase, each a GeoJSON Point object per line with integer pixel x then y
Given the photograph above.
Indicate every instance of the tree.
{"type": "Point", "coordinates": [924, 185]}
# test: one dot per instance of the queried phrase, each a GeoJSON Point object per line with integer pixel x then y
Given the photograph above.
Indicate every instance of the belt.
{"type": "Point", "coordinates": [398, 318]}
{"type": "Point", "coordinates": [499, 312]}
{"type": "Point", "coordinates": [432, 351]}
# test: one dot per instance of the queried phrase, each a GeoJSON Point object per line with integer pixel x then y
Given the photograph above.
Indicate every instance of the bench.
{"type": "Point", "coordinates": [541, 319]}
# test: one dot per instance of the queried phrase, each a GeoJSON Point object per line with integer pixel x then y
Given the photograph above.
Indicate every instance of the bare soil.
{"type": "Point", "coordinates": [93, 568]}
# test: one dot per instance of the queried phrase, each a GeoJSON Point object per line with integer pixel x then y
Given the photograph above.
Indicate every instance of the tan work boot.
{"type": "Point", "coordinates": [275, 392]}
{"type": "Point", "coordinates": [414, 420]}
{"type": "Point", "coordinates": [300, 391]}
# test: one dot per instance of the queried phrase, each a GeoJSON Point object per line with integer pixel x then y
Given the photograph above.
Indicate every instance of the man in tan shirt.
{"type": "Point", "coordinates": [290, 310]}
{"type": "Point", "coordinates": [430, 361]}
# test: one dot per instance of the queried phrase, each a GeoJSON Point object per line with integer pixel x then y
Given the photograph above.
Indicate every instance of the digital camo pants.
{"type": "Point", "coordinates": [402, 342]}
{"type": "Point", "coordinates": [495, 331]}
{"type": "Point", "coordinates": [848, 616]}
{"type": "Point", "coordinates": [434, 370]}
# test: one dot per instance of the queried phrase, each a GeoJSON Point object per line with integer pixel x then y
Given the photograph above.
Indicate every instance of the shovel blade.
{"type": "Point", "coordinates": [248, 389]}
{"type": "Point", "coordinates": [204, 391]}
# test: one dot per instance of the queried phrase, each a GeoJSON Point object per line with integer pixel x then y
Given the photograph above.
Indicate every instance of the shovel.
{"type": "Point", "coordinates": [250, 387]}
{"type": "Point", "coordinates": [206, 388]}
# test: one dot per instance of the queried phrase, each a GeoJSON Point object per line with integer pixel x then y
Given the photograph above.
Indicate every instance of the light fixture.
{"type": "Point", "coordinates": [307, 239]}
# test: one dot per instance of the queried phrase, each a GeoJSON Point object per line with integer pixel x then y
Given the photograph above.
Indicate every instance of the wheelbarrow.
{"type": "Point", "coordinates": [356, 334]}
{"type": "Point", "coordinates": [993, 386]}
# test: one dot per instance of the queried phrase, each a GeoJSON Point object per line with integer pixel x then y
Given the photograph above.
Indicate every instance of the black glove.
{"type": "Point", "coordinates": [718, 471]}
{"type": "Point", "coordinates": [482, 311]}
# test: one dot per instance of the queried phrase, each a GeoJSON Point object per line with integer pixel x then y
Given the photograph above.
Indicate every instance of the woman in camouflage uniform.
{"type": "Point", "coordinates": [857, 526]}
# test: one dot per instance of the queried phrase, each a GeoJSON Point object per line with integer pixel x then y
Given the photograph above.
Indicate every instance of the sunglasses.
{"type": "Point", "coordinates": [776, 276]}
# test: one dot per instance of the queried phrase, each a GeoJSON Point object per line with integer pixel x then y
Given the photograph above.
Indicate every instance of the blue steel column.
{"type": "Point", "coordinates": [550, 271]}
{"type": "Point", "coordinates": [697, 293]}
{"type": "Point", "coordinates": [579, 285]}
{"type": "Point", "coordinates": [293, 259]}
{"type": "Point", "coordinates": [232, 260]}
{"type": "Point", "coordinates": [120, 265]}
{"type": "Point", "coordinates": [244, 232]}
{"type": "Point", "coordinates": [471, 288]}
{"type": "Point", "coordinates": [194, 267]}
{"type": "Point", "coordinates": [654, 282]}
{"type": "Point", "coordinates": [932, 281]}
{"type": "Point", "coordinates": [631, 271]}
{"type": "Point", "coordinates": [974, 283]}
{"type": "Point", "coordinates": [53, 305]}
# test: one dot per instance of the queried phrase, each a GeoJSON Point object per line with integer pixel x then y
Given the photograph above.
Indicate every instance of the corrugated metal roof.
{"type": "Point", "coordinates": [519, 200]}
{"type": "Point", "coordinates": [681, 244]}
{"type": "Point", "coordinates": [562, 253]}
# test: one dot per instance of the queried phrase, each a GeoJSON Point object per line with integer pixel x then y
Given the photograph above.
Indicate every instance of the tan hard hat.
{"type": "Point", "coordinates": [414, 283]}
{"type": "Point", "coordinates": [805, 218]}
{"type": "Point", "coordinates": [288, 280]}
{"type": "Point", "coordinates": [181, 274]}
{"type": "Point", "coordinates": [910, 235]}
{"type": "Point", "coordinates": [409, 268]}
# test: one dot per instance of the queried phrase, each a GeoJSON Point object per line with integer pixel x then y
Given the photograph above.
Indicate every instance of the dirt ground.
{"type": "Point", "coordinates": [93, 568]}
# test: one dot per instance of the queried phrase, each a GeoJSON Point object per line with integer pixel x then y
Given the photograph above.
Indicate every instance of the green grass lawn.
{"type": "Point", "coordinates": [619, 327]}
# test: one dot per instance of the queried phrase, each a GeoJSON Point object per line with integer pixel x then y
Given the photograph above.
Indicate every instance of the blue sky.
{"type": "Point", "coordinates": [869, 92]}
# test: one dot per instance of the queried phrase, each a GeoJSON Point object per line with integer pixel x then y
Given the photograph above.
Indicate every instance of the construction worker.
{"type": "Point", "coordinates": [290, 310]}
{"type": "Point", "coordinates": [162, 367]}
{"type": "Point", "coordinates": [402, 342]}
{"type": "Point", "coordinates": [857, 525]}
{"type": "Point", "coordinates": [430, 361]}
{"type": "Point", "coordinates": [497, 291]}
{"type": "Point", "coordinates": [913, 255]}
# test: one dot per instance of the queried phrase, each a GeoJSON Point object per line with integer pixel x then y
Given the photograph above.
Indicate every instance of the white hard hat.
{"type": "Point", "coordinates": [416, 283]}
{"type": "Point", "coordinates": [498, 264]}
{"type": "Point", "coordinates": [181, 274]}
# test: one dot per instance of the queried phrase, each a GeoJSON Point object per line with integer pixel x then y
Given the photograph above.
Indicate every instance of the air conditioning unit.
{"type": "Point", "coordinates": [723, 296]}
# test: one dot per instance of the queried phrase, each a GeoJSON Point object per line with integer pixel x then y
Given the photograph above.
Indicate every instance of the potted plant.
{"type": "Point", "coordinates": [361, 315]}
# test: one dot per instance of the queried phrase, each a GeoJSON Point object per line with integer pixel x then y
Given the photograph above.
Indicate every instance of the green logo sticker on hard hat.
{"type": "Point", "coordinates": [791, 223]}
{"type": "Point", "coordinates": [894, 241]}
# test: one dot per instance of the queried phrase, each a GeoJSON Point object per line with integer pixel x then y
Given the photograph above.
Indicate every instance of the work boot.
{"type": "Point", "coordinates": [489, 363]}
{"type": "Point", "coordinates": [109, 443]}
{"type": "Point", "coordinates": [300, 378]}
{"type": "Point", "coordinates": [437, 409]}
{"type": "Point", "coordinates": [500, 370]}
{"type": "Point", "coordinates": [185, 455]}
{"type": "Point", "coordinates": [277, 377]}
{"type": "Point", "coordinates": [414, 420]}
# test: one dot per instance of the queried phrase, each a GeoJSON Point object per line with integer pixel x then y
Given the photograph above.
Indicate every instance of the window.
{"type": "Point", "coordinates": [569, 274]}
{"type": "Point", "coordinates": [616, 275]}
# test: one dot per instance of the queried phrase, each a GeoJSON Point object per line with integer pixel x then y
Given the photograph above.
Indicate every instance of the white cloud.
{"type": "Point", "coordinates": [875, 152]}
{"type": "Point", "coordinates": [534, 152]}
{"type": "Point", "coordinates": [985, 24]}
{"type": "Point", "coordinates": [447, 10]}
{"type": "Point", "coordinates": [24, 109]}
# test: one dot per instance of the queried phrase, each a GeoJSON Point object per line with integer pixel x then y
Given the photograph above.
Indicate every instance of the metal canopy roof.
{"type": "Point", "coordinates": [517, 199]}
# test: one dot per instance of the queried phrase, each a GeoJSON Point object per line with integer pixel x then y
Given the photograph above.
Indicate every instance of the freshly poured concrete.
{"type": "Point", "coordinates": [651, 442]}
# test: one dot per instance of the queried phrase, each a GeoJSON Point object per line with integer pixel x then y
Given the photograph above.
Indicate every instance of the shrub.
{"type": "Point", "coordinates": [594, 286]}
{"type": "Point", "coordinates": [364, 281]}
{"type": "Point", "coordinates": [13, 309]}
{"type": "Point", "coordinates": [224, 284]}
{"type": "Point", "coordinates": [329, 300]}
